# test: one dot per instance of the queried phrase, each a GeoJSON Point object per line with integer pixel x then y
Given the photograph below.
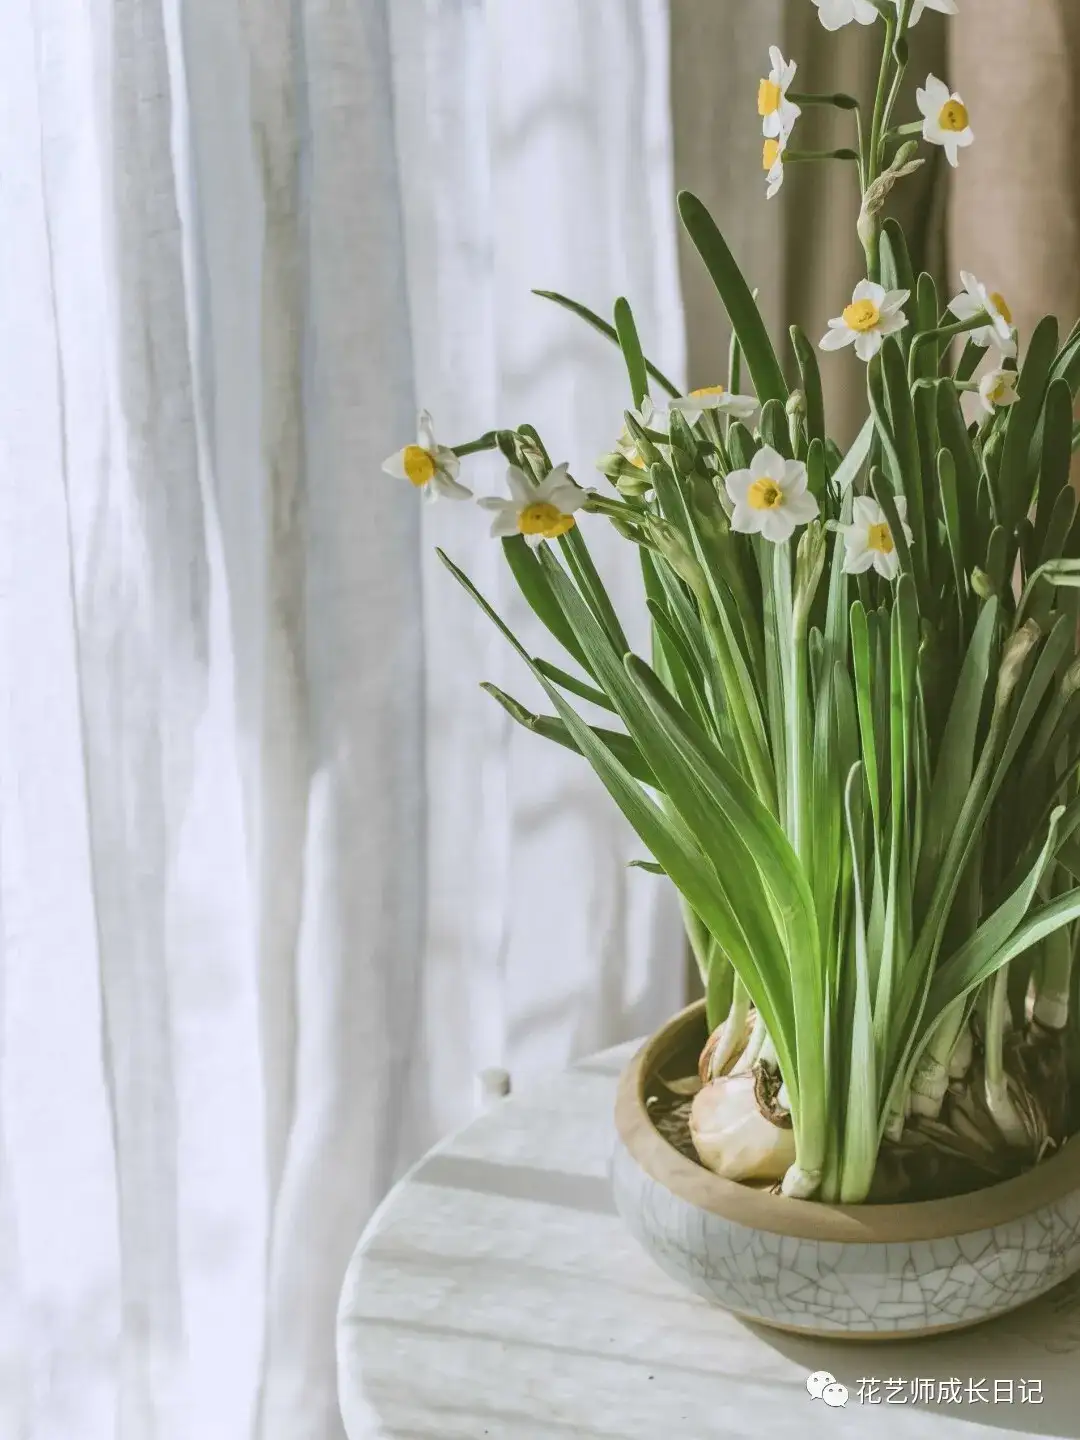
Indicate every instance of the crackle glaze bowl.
{"type": "Point", "coordinates": [855, 1272]}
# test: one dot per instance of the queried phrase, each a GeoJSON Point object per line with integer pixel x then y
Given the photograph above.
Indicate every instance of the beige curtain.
{"type": "Point", "coordinates": [1015, 203]}
{"type": "Point", "coordinates": [801, 248]}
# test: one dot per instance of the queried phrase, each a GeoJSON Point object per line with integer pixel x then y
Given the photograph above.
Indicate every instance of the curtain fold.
{"type": "Point", "coordinates": [276, 879]}
{"type": "Point", "coordinates": [1015, 203]}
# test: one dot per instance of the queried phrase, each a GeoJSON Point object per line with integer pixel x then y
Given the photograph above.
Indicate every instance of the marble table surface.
{"type": "Point", "coordinates": [496, 1294]}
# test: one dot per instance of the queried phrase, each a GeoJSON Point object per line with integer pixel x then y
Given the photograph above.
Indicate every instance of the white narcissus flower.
{"type": "Point", "coordinates": [945, 118]}
{"type": "Point", "coordinates": [772, 162]}
{"type": "Point", "coordinates": [874, 312]}
{"type": "Point", "coordinates": [539, 512]}
{"type": "Point", "coordinates": [713, 397]}
{"type": "Point", "coordinates": [997, 389]}
{"type": "Point", "coordinates": [649, 418]}
{"type": "Point", "coordinates": [429, 466]}
{"type": "Point", "coordinates": [977, 298]}
{"type": "Point", "coordinates": [778, 113]}
{"type": "Point", "coordinates": [835, 14]}
{"type": "Point", "coordinates": [771, 498]}
{"type": "Point", "coordinates": [943, 7]}
{"type": "Point", "coordinates": [868, 540]}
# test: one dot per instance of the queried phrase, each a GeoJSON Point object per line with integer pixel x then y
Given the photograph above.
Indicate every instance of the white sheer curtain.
{"type": "Point", "coordinates": [276, 880]}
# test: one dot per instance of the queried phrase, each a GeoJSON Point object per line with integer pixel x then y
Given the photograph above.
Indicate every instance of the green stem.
{"type": "Point", "coordinates": [899, 48]}
{"type": "Point", "coordinates": [794, 156]}
{"type": "Point", "coordinates": [489, 441]}
{"type": "Point", "coordinates": [898, 131]}
{"type": "Point", "coordinates": [943, 332]}
{"type": "Point", "coordinates": [839, 100]}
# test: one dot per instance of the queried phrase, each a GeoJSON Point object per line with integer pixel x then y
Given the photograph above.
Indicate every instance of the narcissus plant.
{"type": "Point", "coordinates": [854, 746]}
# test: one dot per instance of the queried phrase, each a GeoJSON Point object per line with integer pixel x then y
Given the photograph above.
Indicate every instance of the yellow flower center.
{"type": "Point", "coordinates": [999, 303]}
{"type": "Point", "coordinates": [770, 154]}
{"type": "Point", "coordinates": [861, 315]}
{"type": "Point", "coordinates": [879, 538]}
{"type": "Point", "coordinates": [954, 116]}
{"type": "Point", "coordinates": [708, 390]}
{"type": "Point", "coordinates": [769, 96]}
{"type": "Point", "coordinates": [543, 518]}
{"type": "Point", "coordinates": [765, 494]}
{"type": "Point", "coordinates": [419, 464]}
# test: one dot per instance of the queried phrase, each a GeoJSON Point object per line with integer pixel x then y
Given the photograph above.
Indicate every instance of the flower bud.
{"type": "Point", "coordinates": [1013, 660]}
{"type": "Point", "coordinates": [983, 586]}
{"type": "Point", "coordinates": [809, 564]}
{"type": "Point", "coordinates": [634, 483]}
{"type": "Point", "coordinates": [675, 550]}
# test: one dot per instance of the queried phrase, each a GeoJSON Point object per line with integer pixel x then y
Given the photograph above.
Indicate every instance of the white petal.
{"type": "Point", "coordinates": [745, 519]}
{"type": "Point", "coordinates": [395, 466]}
{"type": "Point", "coordinates": [869, 290]}
{"type": "Point", "coordinates": [856, 562]}
{"type": "Point", "coordinates": [936, 94]}
{"type": "Point", "coordinates": [794, 479]}
{"type": "Point", "coordinates": [966, 306]}
{"type": "Point", "coordinates": [425, 431]}
{"type": "Point", "coordinates": [447, 461]}
{"type": "Point", "coordinates": [553, 480]}
{"type": "Point", "coordinates": [894, 300]}
{"type": "Point", "coordinates": [520, 487]}
{"type": "Point", "coordinates": [767, 463]}
{"type": "Point", "coordinates": [971, 285]}
{"type": "Point", "coordinates": [868, 344]}
{"type": "Point", "coordinates": [802, 508]}
{"type": "Point", "coordinates": [778, 525]}
{"type": "Point", "coordinates": [741, 406]}
{"type": "Point", "coordinates": [534, 541]}
{"type": "Point", "coordinates": [865, 512]}
{"type": "Point", "coordinates": [567, 498]}
{"type": "Point", "coordinates": [776, 60]}
{"type": "Point", "coordinates": [505, 523]}
{"type": "Point", "coordinates": [737, 485]}
{"type": "Point", "coordinates": [887, 565]}
{"type": "Point", "coordinates": [837, 338]}
{"type": "Point", "coordinates": [952, 153]}
{"type": "Point", "coordinates": [891, 324]}
{"type": "Point", "coordinates": [448, 487]}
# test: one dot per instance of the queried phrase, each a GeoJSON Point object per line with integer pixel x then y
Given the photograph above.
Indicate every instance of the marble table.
{"type": "Point", "coordinates": [496, 1294]}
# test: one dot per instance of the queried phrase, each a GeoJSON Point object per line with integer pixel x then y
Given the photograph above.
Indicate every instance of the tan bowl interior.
{"type": "Point", "coordinates": [808, 1219]}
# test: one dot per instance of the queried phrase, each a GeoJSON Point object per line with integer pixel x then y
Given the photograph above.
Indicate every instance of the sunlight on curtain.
{"type": "Point", "coordinates": [276, 879]}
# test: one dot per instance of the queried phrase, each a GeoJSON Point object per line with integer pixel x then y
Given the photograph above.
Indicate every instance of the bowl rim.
{"type": "Point", "coordinates": [1000, 1204]}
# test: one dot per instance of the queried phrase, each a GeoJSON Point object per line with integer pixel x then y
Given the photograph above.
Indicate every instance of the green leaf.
{"type": "Point", "coordinates": [950, 513]}
{"type": "Point", "coordinates": [534, 586]}
{"type": "Point", "coordinates": [621, 746]}
{"type": "Point", "coordinates": [1056, 461]}
{"type": "Point", "coordinates": [703, 890]}
{"type": "Point", "coordinates": [907, 474]}
{"type": "Point", "coordinates": [648, 865]}
{"type": "Point", "coordinates": [810, 377]}
{"type": "Point", "coordinates": [955, 438]}
{"type": "Point", "coordinates": [1002, 937]}
{"type": "Point", "coordinates": [774, 428]}
{"type": "Point", "coordinates": [573, 684]}
{"type": "Point", "coordinates": [630, 345]}
{"type": "Point", "coordinates": [579, 561]}
{"type": "Point", "coordinates": [742, 310]}
{"type": "Point", "coordinates": [1016, 477]}
{"type": "Point", "coordinates": [956, 756]}
{"type": "Point", "coordinates": [927, 310]}
{"type": "Point", "coordinates": [608, 331]}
